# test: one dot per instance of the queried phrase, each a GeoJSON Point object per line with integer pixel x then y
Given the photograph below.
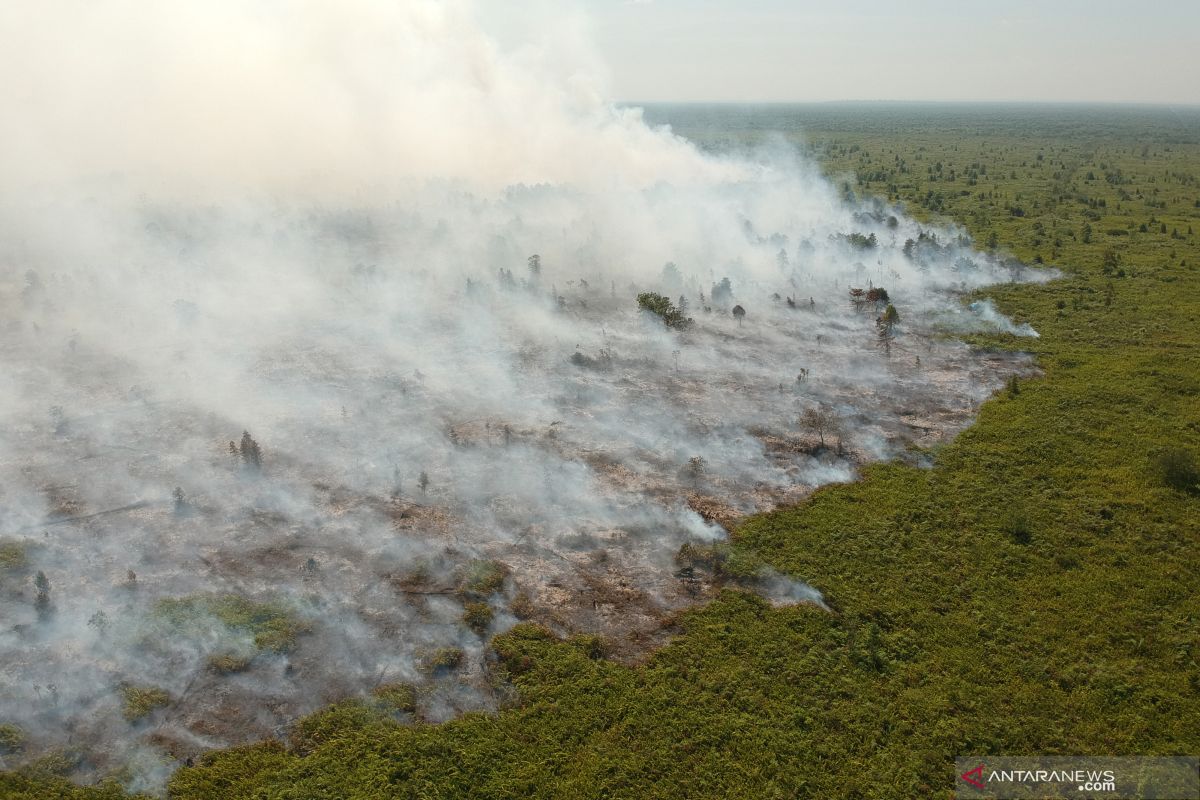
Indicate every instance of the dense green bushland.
{"type": "Point", "coordinates": [1036, 591]}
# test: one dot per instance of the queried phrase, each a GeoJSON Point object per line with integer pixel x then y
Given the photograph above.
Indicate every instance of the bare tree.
{"type": "Point", "coordinates": [820, 421]}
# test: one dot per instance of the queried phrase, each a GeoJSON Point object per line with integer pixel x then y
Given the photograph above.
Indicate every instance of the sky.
{"type": "Point", "coordinates": [798, 50]}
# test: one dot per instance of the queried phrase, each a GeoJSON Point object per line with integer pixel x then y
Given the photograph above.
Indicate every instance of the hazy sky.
{"type": "Point", "coordinates": [797, 50]}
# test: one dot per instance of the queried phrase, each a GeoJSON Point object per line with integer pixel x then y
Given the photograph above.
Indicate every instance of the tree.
{"type": "Point", "coordinates": [858, 297]}
{"type": "Point", "coordinates": [99, 622]}
{"type": "Point", "coordinates": [423, 482]}
{"type": "Point", "coordinates": [740, 314]}
{"type": "Point", "coordinates": [1110, 261]}
{"type": "Point", "coordinates": [820, 421]}
{"type": "Point", "coordinates": [670, 276]}
{"type": "Point", "coordinates": [250, 452]}
{"type": "Point", "coordinates": [722, 293]}
{"type": "Point", "coordinates": [180, 500]}
{"type": "Point", "coordinates": [535, 266]}
{"type": "Point", "coordinates": [889, 318]}
{"type": "Point", "coordinates": [42, 584]}
{"type": "Point", "coordinates": [664, 309]}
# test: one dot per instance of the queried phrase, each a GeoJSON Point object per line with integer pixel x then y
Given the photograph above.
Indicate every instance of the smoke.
{"type": "Point", "coordinates": [990, 319]}
{"type": "Point", "coordinates": [317, 225]}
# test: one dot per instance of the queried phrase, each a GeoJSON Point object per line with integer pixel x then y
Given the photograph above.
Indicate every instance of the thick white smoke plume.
{"type": "Point", "coordinates": [407, 263]}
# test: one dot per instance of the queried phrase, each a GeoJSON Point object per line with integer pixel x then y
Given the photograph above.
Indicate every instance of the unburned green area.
{"type": "Point", "coordinates": [1035, 591]}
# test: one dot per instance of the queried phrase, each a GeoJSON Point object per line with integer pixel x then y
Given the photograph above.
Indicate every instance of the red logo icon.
{"type": "Point", "coordinates": [977, 781]}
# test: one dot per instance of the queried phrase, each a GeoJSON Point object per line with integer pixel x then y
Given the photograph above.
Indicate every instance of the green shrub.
{"type": "Point", "coordinates": [396, 697]}
{"type": "Point", "coordinates": [477, 617]}
{"type": "Point", "coordinates": [141, 701]}
{"type": "Point", "coordinates": [484, 578]}
{"type": "Point", "coordinates": [228, 663]}
{"type": "Point", "coordinates": [444, 660]}
{"type": "Point", "coordinates": [274, 628]}
{"type": "Point", "coordinates": [1017, 526]}
{"type": "Point", "coordinates": [13, 557]}
{"type": "Point", "coordinates": [12, 738]}
{"type": "Point", "coordinates": [1177, 468]}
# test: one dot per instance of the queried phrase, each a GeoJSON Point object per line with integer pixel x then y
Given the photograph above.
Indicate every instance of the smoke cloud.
{"type": "Point", "coordinates": [324, 361]}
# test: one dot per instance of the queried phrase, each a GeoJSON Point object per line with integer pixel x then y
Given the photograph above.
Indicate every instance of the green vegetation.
{"type": "Point", "coordinates": [664, 309]}
{"type": "Point", "coordinates": [141, 701]}
{"type": "Point", "coordinates": [947, 635]}
{"type": "Point", "coordinates": [228, 663]}
{"type": "Point", "coordinates": [1178, 469]}
{"type": "Point", "coordinates": [12, 738]}
{"type": "Point", "coordinates": [722, 559]}
{"type": "Point", "coordinates": [273, 627]}
{"type": "Point", "coordinates": [396, 697]}
{"type": "Point", "coordinates": [12, 556]}
{"type": "Point", "coordinates": [444, 660]}
{"type": "Point", "coordinates": [477, 617]}
{"type": "Point", "coordinates": [484, 578]}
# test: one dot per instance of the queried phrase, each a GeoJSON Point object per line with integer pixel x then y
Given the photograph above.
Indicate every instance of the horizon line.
{"type": "Point", "coordinates": [1195, 105]}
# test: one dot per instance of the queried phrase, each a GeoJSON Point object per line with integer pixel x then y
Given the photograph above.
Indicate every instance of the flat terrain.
{"type": "Point", "coordinates": [1035, 591]}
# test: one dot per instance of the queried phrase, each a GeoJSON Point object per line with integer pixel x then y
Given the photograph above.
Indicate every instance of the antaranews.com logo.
{"type": "Point", "coordinates": [1036, 777]}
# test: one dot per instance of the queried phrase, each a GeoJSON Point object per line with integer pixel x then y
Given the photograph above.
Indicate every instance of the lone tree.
{"type": "Point", "coordinates": [250, 452]}
{"type": "Point", "coordinates": [535, 266]}
{"type": "Point", "coordinates": [664, 309]}
{"type": "Point", "coordinates": [180, 500]}
{"type": "Point", "coordinates": [820, 421]}
{"type": "Point", "coordinates": [42, 584]}
{"type": "Point", "coordinates": [889, 318]}
{"type": "Point", "coordinates": [722, 293]}
{"type": "Point", "coordinates": [740, 314]}
{"type": "Point", "coordinates": [423, 482]}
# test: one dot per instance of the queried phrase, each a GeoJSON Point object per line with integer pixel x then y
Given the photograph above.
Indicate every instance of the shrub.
{"type": "Point", "coordinates": [396, 697]}
{"type": "Point", "coordinates": [273, 627]}
{"type": "Point", "coordinates": [594, 647]}
{"type": "Point", "coordinates": [477, 617]}
{"type": "Point", "coordinates": [1177, 469]}
{"type": "Point", "coordinates": [522, 605]}
{"type": "Point", "coordinates": [12, 738]}
{"type": "Point", "coordinates": [140, 702]}
{"type": "Point", "coordinates": [228, 663]}
{"type": "Point", "coordinates": [1016, 525]}
{"type": "Point", "coordinates": [484, 578]}
{"type": "Point", "coordinates": [444, 660]}
{"type": "Point", "coordinates": [12, 556]}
